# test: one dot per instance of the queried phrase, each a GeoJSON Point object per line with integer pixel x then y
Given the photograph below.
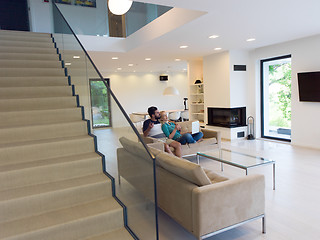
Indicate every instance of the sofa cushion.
{"type": "Point", "coordinates": [214, 177]}
{"type": "Point", "coordinates": [137, 148]}
{"type": "Point", "coordinates": [187, 170]}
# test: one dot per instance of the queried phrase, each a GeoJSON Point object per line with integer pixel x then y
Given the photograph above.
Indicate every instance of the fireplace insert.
{"type": "Point", "coordinates": [227, 117]}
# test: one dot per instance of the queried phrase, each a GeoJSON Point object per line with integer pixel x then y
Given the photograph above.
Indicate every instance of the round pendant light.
{"type": "Point", "coordinates": [119, 7]}
{"type": "Point", "coordinates": [171, 91]}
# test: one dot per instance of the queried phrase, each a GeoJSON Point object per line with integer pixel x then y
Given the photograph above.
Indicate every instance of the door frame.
{"type": "Point", "coordinates": [262, 95]}
{"type": "Point", "coordinates": [109, 102]}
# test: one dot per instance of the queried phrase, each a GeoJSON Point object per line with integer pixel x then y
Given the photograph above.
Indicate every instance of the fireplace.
{"type": "Point", "coordinates": [227, 117]}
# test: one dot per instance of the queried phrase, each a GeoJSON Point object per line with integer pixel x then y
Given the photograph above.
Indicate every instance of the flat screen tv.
{"type": "Point", "coordinates": [309, 86]}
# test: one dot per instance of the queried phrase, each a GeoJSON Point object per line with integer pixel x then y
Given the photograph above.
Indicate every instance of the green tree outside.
{"type": "Point", "coordinates": [280, 95]}
{"type": "Point", "coordinates": [99, 104]}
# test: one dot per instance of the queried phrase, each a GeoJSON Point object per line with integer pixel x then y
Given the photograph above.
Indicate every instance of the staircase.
{"type": "Point", "coordinates": [52, 185]}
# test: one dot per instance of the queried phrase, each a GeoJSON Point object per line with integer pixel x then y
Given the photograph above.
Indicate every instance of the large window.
{"type": "Point", "coordinates": [100, 104]}
{"type": "Point", "coordinates": [276, 98]}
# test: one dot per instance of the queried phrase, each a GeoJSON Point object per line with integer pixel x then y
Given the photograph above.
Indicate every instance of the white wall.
{"type": "Point", "coordinates": [41, 16]}
{"type": "Point", "coordinates": [238, 79]}
{"type": "Point", "coordinates": [216, 78]}
{"type": "Point", "coordinates": [305, 116]}
{"type": "Point", "coordinates": [138, 91]}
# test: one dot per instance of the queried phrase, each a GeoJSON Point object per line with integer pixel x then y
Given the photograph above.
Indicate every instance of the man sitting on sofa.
{"type": "Point", "coordinates": [152, 128]}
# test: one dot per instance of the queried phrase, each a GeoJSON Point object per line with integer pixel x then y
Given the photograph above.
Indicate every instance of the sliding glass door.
{"type": "Point", "coordinates": [276, 98]}
{"type": "Point", "coordinates": [100, 104]}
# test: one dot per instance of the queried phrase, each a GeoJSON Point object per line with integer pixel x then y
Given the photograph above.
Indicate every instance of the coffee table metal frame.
{"type": "Point", "coordinates": [222, 161]}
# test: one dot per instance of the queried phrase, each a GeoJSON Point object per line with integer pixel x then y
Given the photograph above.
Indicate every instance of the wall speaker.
{"type": "Point", "coordinates": [239, 68]}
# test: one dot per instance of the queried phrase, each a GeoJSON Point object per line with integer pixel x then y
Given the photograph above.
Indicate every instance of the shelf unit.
{"type": "Point", "coordinates": [196, 102]}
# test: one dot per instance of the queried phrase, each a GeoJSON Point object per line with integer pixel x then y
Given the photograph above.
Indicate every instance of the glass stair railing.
{"type": "Point", "coordinates": [140, 213]}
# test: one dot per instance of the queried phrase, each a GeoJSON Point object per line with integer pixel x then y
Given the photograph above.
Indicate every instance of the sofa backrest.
{"type": "Point", "coordinates": [137, 148]}
{"type": "Point", "coordinates": [187, 170]}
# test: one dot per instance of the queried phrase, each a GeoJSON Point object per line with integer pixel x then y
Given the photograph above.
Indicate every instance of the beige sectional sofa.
{"type": "Point", "coordinates": [203, 202]}
{"type": "Point", "coordinates": [211, 140]}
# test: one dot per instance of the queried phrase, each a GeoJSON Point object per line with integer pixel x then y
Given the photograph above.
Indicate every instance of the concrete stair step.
{"type": "Point", "coordinates": [10, 43]}
{"type": "Point", "coordinates": [24, 34]}
{"type": "Point", "coordinates": [36, 117]}
{"type": "Point", "coordinates": [29, 56]}
{"type": "Point", "coordinates": [22, 38]}
{"type": "Point", "coordinates": [4, 63]}
{"type": "Point", "coordinates": [62, 168]}
{"type": "Point", "coordinates": [45, 103]}
{"type": "Point", "coordinates": [35, 92]}
{"type": "Point", "coordinates": [33, 50]}
{"type": "Point", "coordinates": [43, 149]}
{"type": "Point", "coordinates": [31, 72]}
{"type": "Point", "coordinates": [118, 234]}
{"type": "Point", "coordinates": [45, 131]}
{"type": "Point", "coordinates": [26, 201]}
{"type": "Point", "coordinates": [72, 223]}
{"type": "Point", "coordinates": [33, 81]}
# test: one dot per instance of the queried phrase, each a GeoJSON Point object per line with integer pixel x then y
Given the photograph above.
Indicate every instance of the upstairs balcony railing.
{"type": "Point", "coordinates": [99, 21]}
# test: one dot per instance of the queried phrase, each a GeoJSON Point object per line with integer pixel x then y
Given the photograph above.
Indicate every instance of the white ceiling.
{"type": "Point", "coordinates": [191, 22]}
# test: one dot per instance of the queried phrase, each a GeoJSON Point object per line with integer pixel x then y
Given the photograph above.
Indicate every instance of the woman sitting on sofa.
{"type": "Point", "coordinates": [173, 131]}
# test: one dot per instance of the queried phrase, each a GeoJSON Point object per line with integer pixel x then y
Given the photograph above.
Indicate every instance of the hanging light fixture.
{"type": "Point", "coordinates": [172, 91]}
{"type": "Point", "coordinates": [119, 7]}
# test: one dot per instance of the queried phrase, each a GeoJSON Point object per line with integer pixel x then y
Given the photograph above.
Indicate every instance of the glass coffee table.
{"type": "Point", "coordinates": [237, 159]}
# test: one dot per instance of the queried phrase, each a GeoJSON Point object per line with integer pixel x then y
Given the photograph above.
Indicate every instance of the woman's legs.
{"type": "Point", "coordinates": [190, 138]}
{"type": "Point", "coordinates": [186, 138]}
{"type": "Point", "coordinates": [197, 136]}
{"type": "Point", "coordinates": [177, 148]}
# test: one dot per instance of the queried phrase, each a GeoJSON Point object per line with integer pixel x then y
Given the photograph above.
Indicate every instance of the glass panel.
{"type": "Point", "coordinates": [127, 162]}
{"type": "Point", "coordinates": [94, 23]}
{"type": "Point", "coordinates": [140, 14]}
{"type": "Point", "coordinates": [100, 100]}
{"type": "Point", "coordinates": [99, 21]}
{"type": "Point", "coordinates": [276, 122]}
{"type": "Point", "coordinates": [236, 158]}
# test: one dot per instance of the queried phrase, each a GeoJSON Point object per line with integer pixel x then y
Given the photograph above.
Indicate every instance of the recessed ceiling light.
{"type": "Point", "coordinates": [130, 65]}
{"type": "Point", "coordinates": [147, 59]}
{"type": "Point", "coordinates": [217, 48]}
{"type": "Point", "coordinates": [177, 59]}
{"type": "Point", "coordinates": [251, 39]}
{"type": "Point", "coordinates": [68, 64]}
{"type": "Point", "coordinates": [184, 69]}
{"type": "Point", "coordinates": [213, 36]}
{"type": "Point", "coordinates": [76, 56]}
{"type": "Point", "coordinates": [184, 46]}
{"type": "Point", "coordinates": [134, 70]}
{"type": "Point", "coordinates": [119, 69]}
{"type": "Point", "coordinates": [114, 58]}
